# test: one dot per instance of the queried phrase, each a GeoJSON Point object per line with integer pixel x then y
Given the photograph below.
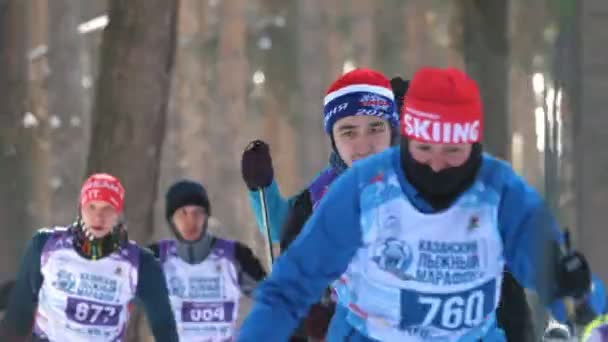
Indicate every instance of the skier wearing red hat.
{"type": "Point", "coordinates": [76, 283]}
{"type": "Point", "coordinates": [418, 236]}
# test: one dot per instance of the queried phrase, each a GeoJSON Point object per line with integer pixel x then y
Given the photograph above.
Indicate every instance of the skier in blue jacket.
{"type": "Point", "coordinates": [415, 239]}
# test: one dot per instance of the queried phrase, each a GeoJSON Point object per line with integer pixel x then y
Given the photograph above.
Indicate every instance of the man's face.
{"type": "Point", "coordinates": [99, 218]}
{"type": "Point", "coordinates": [190, 221]}
{"type": "Point", "coordinates": [357, 137]}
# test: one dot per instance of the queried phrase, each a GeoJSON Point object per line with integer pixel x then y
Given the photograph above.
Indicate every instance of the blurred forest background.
{"type": "Point", "coordinates": [156, 90]}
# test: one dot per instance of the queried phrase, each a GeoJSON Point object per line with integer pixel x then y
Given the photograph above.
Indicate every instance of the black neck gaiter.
{"type": "Point", "coordinates": [97, 248]}
{"type": "Point", "coordinates": [440, 189]}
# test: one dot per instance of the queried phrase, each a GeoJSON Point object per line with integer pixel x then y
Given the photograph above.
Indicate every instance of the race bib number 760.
{"type": "Point", "coordinates": [451, 311]}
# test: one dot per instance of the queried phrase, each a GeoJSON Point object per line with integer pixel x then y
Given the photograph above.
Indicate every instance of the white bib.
{"type": "Point", "coordinates": [81, 299]}
{"type": "Point", "coordinates": [204, 296]}
{"type": "Point", "coordinates": [424, 277]}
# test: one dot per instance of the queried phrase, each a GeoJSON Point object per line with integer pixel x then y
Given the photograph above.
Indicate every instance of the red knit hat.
{"type": "Point", "coordinates": [442, 106]}
{"type": "Point", "coordinates": [103, 187]}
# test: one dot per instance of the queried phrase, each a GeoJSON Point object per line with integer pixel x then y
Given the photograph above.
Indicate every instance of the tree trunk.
{"type": "Point", "coordinates": [131, 102]}
{"type": "Point", "coordinates": [528, 21]}
{"type": "Point", "coordinates": [486, 54]}
{"type": "Point", "coordinates": [313, 79]}
{"type": "Point", "coordinates": [187, 151]}
{"type": "Point", "coordinates": [420, 47]}
{"type": "Point", "coordinates": [191, 112]}
{"type": "Point", "coordinates": [278, 64]}
{"type": "Point", "coordinates": [67, 107]}
{"type": "Point", "coordinates": [39, 193]}
{"type": "Point", "coordinates": [362, 32]}
{"type": "Point", "coordinates": [389, 49]}
{"type": "Point", "coordinates": [334, 42]}
{"type": "Point", "coordinates": [13, 135]}
{"type": "Point", "coordinates": [592, 157]}
{"type": "Point", "coordinates": [227, 132]}
{"type": "Point", "coordinates": [129, 114]}
{"type": "Point", "coordinates": [567, 46]}
{"type": "Point", "coordinates": [89, 57]}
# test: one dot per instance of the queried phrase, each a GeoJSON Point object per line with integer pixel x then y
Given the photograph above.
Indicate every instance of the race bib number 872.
{"type": "Point", "coordinates": [449, 311]}
{"type": "Point", "coordinates": [92, 313]}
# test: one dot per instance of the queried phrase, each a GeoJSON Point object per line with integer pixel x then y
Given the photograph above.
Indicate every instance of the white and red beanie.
{"type": "Point", "coordinates": [103, 187]}
{"type": "Point", "coordinates": [359, 92]}
{"type": "Point", "coordinates": [442, 106]}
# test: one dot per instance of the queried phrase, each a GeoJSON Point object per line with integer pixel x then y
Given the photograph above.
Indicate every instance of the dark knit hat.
{"type": "Point", "coordinates": [183, 193]}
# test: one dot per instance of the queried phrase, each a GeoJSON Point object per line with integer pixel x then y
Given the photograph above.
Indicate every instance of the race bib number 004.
{"type": "Point", "coordinates": [92, 313]}
{"type": "Point", "coordinates": [207, 312]}
{"type": "Point", "coordinates": [451, 311]}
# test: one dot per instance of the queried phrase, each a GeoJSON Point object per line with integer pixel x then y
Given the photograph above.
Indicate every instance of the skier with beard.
{"type": "Point", "coordinates": [514, 314]}
{"type": "Point", "coordinates": [206, 275]}
{"type": "Point", "coordinates": [419, 235]}
{"type": "Point", "coordinates": [76, 283]}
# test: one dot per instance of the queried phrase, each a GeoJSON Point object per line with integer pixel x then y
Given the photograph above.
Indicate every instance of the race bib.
{"type": "Point", "coordinates": [207, 312]}
{"type": "Point", "coordinates": [451, 311]}
{"type": "Point", "coordinates": [92, 313]}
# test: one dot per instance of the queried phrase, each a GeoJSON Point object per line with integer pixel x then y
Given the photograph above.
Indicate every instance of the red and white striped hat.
{"type": "Point", "coordinates": [359, 92]}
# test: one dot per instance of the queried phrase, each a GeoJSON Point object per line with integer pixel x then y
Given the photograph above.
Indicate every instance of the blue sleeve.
{"type": "Point", "coordinates": [526, 227]}
{"type": "Point", "coordinates": [319, 255]}
{"type": "Point", "coordinates": [596, 300]}
{"type": "Point", "coordinates": [277, 207]}
{"type": "Point", "coordinates": [153, 295]}
{"type": "Point", "coordinates": [532, 242]}
{"type": "Point", "coordinates": [22, 302]}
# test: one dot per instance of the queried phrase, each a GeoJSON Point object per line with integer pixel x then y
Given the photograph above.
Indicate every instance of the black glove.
{"type": "Point", "coordinates": [400, 87]}
{"type": "Point", "coordinates": [317, 321]}
{"type": "Point", "coordinates": [574, 276]}
{"type": "Point", "coordinates": [256, 165]}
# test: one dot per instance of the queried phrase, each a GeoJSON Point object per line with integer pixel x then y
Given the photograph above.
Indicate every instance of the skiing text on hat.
{"type": "Point", "coordinates": [442, 106]}
{"type": "Point", "coordinates": [431, 128]}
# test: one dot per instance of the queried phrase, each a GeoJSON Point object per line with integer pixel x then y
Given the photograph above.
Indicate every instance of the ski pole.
{"type": "Point", "coordinates": [265, 220]}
